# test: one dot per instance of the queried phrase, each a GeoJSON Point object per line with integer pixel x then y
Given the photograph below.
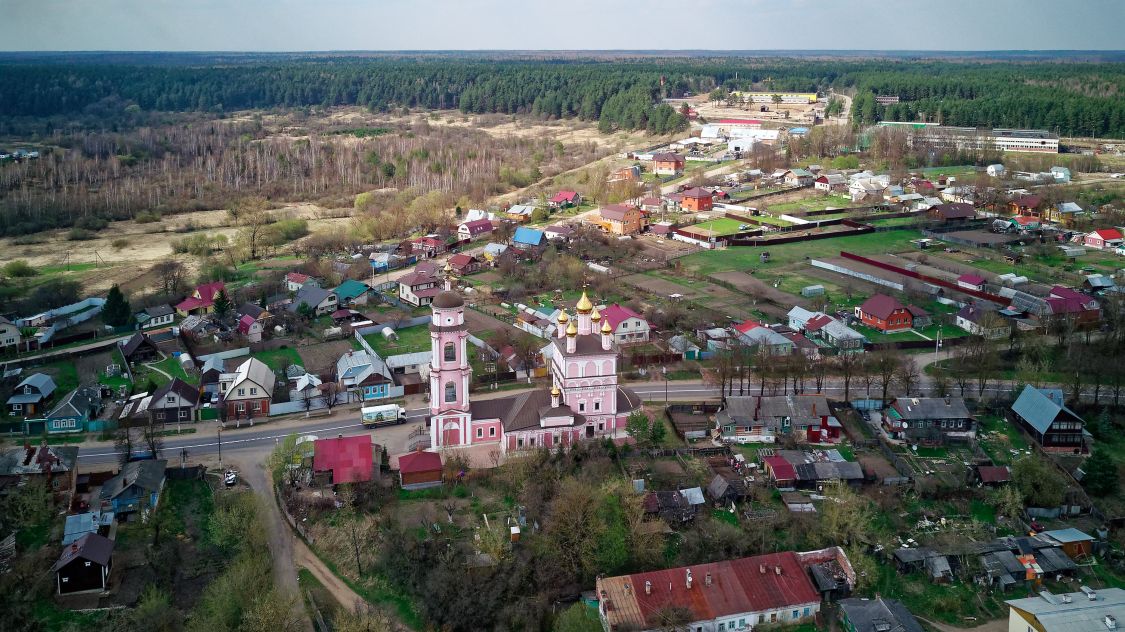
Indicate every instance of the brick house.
{"type": "Point", "coordinates": [697, 199]}
{"type": "Point", "coordinates": [621, 219]}
{"type": "Point", "coordinates": [886, 314]}
{"type": "Point", "coordinates": [248, 391]}
{"type": "Point", "coordinates": [667, 164]}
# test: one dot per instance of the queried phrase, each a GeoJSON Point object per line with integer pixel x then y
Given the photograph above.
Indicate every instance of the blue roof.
{"type": "Point", "coordinates": [528, 236]}
{"type": "Point", "coordinates": [799, 130]}
{"type": "Point", "coordinates": [1040, 407]}
{"type": "Point", "coordinates": [1068, 535]}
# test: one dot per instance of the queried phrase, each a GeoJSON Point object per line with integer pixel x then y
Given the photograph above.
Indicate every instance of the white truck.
{"type": "Point", "coordinates": [386, 415]}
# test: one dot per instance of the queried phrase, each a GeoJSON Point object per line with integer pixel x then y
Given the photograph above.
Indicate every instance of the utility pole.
{"type": "Point", "coordinates": [220, 435]}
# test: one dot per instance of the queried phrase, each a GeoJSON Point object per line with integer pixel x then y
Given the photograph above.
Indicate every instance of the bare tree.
{"type": "Point", "coordinates": [906, 376]}
{"type": "Point", "coordinates": [885, 365]}
{"type": "Point", "coordinates": [171, 274]}
{"type": "Point", "coordinates": [329, 391]}
{"type": "Point", "coordinates": [123, 444]}
{"type": "Point", "coordinates": [848, 364]}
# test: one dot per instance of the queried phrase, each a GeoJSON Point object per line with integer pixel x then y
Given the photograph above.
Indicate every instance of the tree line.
{"type": "Point", "coordinates": [1078, 99]}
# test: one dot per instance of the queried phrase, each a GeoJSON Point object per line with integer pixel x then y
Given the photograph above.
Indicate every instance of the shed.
{"type": "Point", "coordinates": [84, 565]}
{"type": "Point", "coordinates": [1075, 543]}
{"type": "Point", "coordinates": [420, 470]}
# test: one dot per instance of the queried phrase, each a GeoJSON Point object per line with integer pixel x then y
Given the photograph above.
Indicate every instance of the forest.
{"type": "Point", "coordinates": [1072, 98]}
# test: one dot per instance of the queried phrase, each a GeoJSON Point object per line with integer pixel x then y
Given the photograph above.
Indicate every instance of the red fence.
{"type": "Point", "coordinates": [924, 277]}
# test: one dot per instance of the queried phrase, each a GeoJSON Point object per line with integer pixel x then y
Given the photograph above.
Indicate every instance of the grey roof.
{"type": "Point", "coordinates": [763, 335]}
{"type": "Point", "coordinates": [694, 495]}
{"type": "Point", "coordinates": [186, 391]}
{"type": "Point", "coordinates": [93, 547]}
{"type": "Point", "coordinates": [1039, 409]}
{"type": "Point", "coordinates": [310, 295]}
{"type": "Point", "coordinates": [148, 475]}
{"type": "Point", "coordinates": [136, 342]}
{"type": "Point", "coordinates": [1054, 560]}
{"type": "Point", "coordinates": [879, 615]}
{"type": "Point", "coordinates": [79, 402]}
{"type": "Point", "coordinates": [914, 555]}
{"type": "Point", "coordinates": [911, 408]}
{"type": "Point", "coordinates": [802, 410]}
{"type": "Point", "coordinates": [41, 381]}
{"type": "Point", "coordinates": [408, 359]}
{"type": "Point", "coordinates": [682, 344]}
{"type": "Point", "coordinates": [1076, 613]}
{"type": "Point", "coordinates": [255, 371]}
{"type": "Point", "coordinates": [159, 310]}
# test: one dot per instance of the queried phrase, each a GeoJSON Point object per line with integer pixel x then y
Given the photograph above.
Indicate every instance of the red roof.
{"type": "Point", "coordinates": [1107, 234]}
{"type": "Point", "coordinates": [1025, 220]}
{"type": "Point", "coordinates": [296, 277]}
{"type": "Point", "coordinates": [1027, 201]}
{"type": "Point", "coordinates": [616, 212]}
{"type": "Point", "coordinates": [616, 314]}
{"type": "Point", "coordinates": [782, 470]}
{"type": "Point", "coordinates": [461, 260]}
{"type": "Point", "coordinates": [775, 581]}
{"type": "Point", "coordinates": [818, 321]}
{"type": "Point", "coordinates": [204, 296]}
{"type": "Point", "coordinates": [245, 323]}
{"type": "Point", "coordinates": [667, 157]}
{"type": "Point", "coordinates": [418, 462]}
{"type": "Point", "coordinates": [881, 306]}
{"type": "Point", "coordinates": [971, 279]}
{"type": "Point", "coordinates": [994, 474]}
{"type": "Point", "coordinates": [565, 196]}
{"type": "Point", "coordinates": [349, 459]}
{"type": "Point", "coordinates": [747, 326]}
{"type": "Point", "coordinates": [478, 227]}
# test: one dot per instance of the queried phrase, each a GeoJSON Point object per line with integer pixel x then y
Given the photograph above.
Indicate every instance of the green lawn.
{"type": "Point", "coordinates": [721, 226]}
{"type": "Point", "coordinates": [876, 336]}
{"type": "Point", "coordinates": [896, 221]}
{"type": "Point", "coordinates": [933, 172]}
{"type": "Point", "coordinates": [817, 203]}
{"type": "Point", "coordinates": [171, 366]}
{"type": "Point", "coordinates": [63, 372]}
{"type": "Point", "coordinates": [723, 515]}
{"type": "Point", "coordinates": [410, 340]}
{"type": "Point", "coordinates": [279, 359]}
{"type": "Point", "coordinates": [740, 258]}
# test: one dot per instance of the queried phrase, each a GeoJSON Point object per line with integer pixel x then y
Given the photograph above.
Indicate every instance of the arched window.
{"type": "Point", "coordinates": [450, 352]}
{"type": "Point", "coordinates": [450, 392]}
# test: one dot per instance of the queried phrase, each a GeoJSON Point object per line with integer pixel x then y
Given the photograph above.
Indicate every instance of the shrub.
{"type": "Point", "coordinates": [147, 217]}
{"type": "Point", "coordinates": [119, 243]}
{"type": "Point", "coordinates": [91, 222]}
{"type": "Point", "coordinates": [20, 269]}
{"type": "Point", "coordinates": [27, 240]}
{"type": "Point", "coordinates": [79, 234]}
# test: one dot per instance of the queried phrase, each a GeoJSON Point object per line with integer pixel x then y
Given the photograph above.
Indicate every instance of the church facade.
{"type": "Point", "coordinates": [583, 402]}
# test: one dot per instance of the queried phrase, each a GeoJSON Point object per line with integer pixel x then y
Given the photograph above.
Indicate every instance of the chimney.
{"type": "Point", "coordinates": [776, 570]}
{"type": "Point", "coordinates": [648, 587]}
{"type": "Point", "coordinates": [762, 568]}
{"type": "Point", "coordinates": [707, 579]}
{"type": "Point", "coordinates": [688, 579]}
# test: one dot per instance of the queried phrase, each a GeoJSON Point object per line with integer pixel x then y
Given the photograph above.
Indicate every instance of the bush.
{"type": "Point", "coordinates": [119, 243]}
{"type": "Point", "coordinates": [20, 269]}
{"type": "Point", "coordinates": [27, 240]}
{"type": "Point", "coordinates": [91, 222]}
{"type": "Point", "coordinates": [79, 234]}
{"type": "Point", "coordinates": [147, 217]}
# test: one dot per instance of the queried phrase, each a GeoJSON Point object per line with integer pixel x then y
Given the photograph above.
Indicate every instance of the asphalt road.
{"type": "Point", "coordinates": [206, 442]}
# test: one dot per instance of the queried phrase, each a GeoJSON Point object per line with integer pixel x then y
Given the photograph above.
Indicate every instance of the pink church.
{"type": "Point", "coordinates": [584, 401]}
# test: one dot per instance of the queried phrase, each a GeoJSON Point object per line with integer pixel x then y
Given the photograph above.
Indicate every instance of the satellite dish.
{"type": "Point", "coordinates": [905, 425]}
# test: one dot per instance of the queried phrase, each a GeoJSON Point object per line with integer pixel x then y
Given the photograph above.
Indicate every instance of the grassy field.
{"type": "Point", "coordinates": [817, 203]}
{"type": "Point", "coordinates": [738, 258]}
{"type": "Point", "coordinates": [961, 170]}
{"type": "Point", "coordinates": [720, 227]}
{"type": "Point", "coordinates": [171, 366]}
{"type": "Point", "coordinates": [895, 221]}
{"type": "Point", "coordinates": [64, 373]}
{"type": "Point", "coordinates": [410, 340]}
{"type": "Point", "coordinates": [279, 359]}
{"type": "Point", "coordinates": [997, 437]}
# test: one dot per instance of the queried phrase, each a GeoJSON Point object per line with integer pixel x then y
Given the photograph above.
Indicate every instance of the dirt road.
{"type": "Point", "coordinates": [251, 466]}
{"type": "Point", "coordinates": [305, 558]}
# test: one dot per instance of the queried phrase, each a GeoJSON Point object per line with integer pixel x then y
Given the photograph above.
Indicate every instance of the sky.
{"type": "Point", "coordinates": [325, 25]}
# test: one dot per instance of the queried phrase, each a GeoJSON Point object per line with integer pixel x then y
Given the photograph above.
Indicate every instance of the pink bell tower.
{"type": "Point", "coordinates": [450, 372]}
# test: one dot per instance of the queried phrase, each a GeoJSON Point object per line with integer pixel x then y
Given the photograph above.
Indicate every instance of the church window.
{"type": "Point", "coordinates": [480, 433]}
{"type": "Point", "coordinates": [581, 407]}
{"type": "Point", "coordinates": [492, 431]}
{"type": "Point", "coordinates": [597, 405]}
{"type": "Point", "coordinates": [450, 352]}
{"type": "Point", "coordinates": [450, 392]}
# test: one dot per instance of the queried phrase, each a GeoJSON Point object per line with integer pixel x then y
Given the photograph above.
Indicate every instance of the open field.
{"type": "Point", "coordinates": [719, 227]}
{"type": "Point", "coordinates": [818, 202]}
{"type": "Point", "coordinates": [410, 340]}
{"type": "Point", "coordinates": [740, 258]}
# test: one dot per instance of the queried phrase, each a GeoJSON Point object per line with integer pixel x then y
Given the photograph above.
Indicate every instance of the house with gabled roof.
{"type": "Point", "coordinates": [929, 420]}
{"type": "Point", "coordinates": [528, 238]}
{"type": "Point", "coordinates": [565, 198]}
{"type": "Point", "coordinates": [173, 402]}
{"type": "Point", "coordinates": [763, 339]}
{"type": "Point", "coordinates": [75, 410]}
{"type": "Point", "coordinates": [247, 392]}
{"type": "Point", "coordinates": [319, 300]}
{"type": "Point", "coordinates": [420, 470]}
{"type": "Point", "coordinates": [667, 164]}
{"type": "Point", "coordinates": [202, 299]}
{"type": "Point", "coordinates": [620, 219]}
{"type": "Point", "coordinates": [418, 288]}
{"type": "Point", "coordinates": [365, 374]}
{"type": "Point", "coordinates": [1103, 239]}
{"type": "Point", "coordinates": [351, 293]}
{"type": "Point", "coordinates": [876, 615]}
{"type": "Point", "coordinates": [697, 200]}
{"type": "Point", "coordinates": [139, 348]}
{"type": "Point", "coordinates": [1047, 418]}
{"type": "Point", "coordinates": [627, 326]}
{"type": "Point", "coordinates": [31, 395]}
{"type": "Point", "coordinates": [464, 263]}
{"type": "Point", "coordinates": [136, 488]}
{"type": "Point", "coordinates": [886, 314]}
{"type": "Point", "coordinates": [475, 229]}
{"type": "Point", "coordinates": [798, 178]}
{"type": "Point", "coordinates": [775, 588]}
{"type": "Point", "coordinates": [84, 565]}
{"type": "Point", "coordinates": [251, 328]}
{"type": "Point", "coordinates": [156, 316]}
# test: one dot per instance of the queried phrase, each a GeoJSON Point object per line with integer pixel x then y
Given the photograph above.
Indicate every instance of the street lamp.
{"type": "Point", "coordinates": [664, 372]}
{"type": "Point", "coordinates": [220, 435]}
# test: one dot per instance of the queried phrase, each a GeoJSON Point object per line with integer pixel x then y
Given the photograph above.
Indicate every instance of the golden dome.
{"type": "Point", "coordinates": [596, 316]}
{"type": "Point", "coordinates": [572, 329]}
{"type": "Point", "coordinates": [448, 268]}
{"type": "Point", "coordinates": [563, 318]}
{"type": "Point", "coordinates": [606, 328]}
{"type": "Point", "coordinates": [555, 391]}
{"type": "Point", "coordinates": [584, 305]}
